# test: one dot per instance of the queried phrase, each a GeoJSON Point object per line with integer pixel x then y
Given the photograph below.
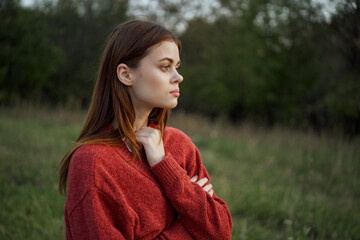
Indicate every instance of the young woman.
{"type": "Point", "coordinates": [128, 176]}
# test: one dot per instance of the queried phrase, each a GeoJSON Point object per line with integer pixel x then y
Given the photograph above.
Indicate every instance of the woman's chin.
{"type": "Point", "coordinates": [174, 105]}
{"type": "Point", "coordinates": [171, 104]}
{"type": "Point", "coordinates": [168, 105]}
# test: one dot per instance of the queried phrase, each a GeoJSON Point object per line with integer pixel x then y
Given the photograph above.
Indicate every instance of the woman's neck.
{"type": "Point", "coordinates": [141, 117]}
{"type": "Point", "coordinates": [141, 120]}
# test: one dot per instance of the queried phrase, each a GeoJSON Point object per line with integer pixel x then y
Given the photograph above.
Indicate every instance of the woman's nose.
{"type": "Point", "coordinates": [177, 78]}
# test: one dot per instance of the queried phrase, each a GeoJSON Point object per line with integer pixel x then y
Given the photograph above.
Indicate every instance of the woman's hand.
{"type": "Point", "coordinates": [150, 138]}
{"type": "Point", "coordinates": [201, 183]}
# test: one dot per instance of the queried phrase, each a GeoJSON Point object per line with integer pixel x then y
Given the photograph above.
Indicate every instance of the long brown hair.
{"type": "Point", "coordinates": [128, 44]}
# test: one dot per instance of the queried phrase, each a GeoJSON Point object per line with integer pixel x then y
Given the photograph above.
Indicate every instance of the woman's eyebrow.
{"type": "Point", "coordinates": [168, 59]}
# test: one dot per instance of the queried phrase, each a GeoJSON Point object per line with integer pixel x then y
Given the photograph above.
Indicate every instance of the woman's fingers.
{"type": "Point", "coordinates": [202, 182]}
{"type": "Point", "coordinates": [211, 192]}
{"type": "Point", "coordinates": [150, 138]}
{"type": "Point", "coordinates": [207, 188]}
{"type": "Point", "coordinates": [194, 178]}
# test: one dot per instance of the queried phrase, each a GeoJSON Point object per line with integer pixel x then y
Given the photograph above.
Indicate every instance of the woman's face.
{"type": "Point", "coordinates": [155, 82]}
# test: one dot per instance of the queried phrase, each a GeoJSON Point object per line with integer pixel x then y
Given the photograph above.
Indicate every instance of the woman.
{"type": "Point", "coordinates": [128, 176]}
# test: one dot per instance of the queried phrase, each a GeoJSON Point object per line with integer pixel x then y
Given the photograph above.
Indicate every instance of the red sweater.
{"type": "Point", "coordinates": [111, 197]}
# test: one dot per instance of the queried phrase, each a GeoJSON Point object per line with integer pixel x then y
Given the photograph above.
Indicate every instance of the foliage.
{"type": "Point", "coordinates": [51, 51]}
{"type": "Point", "coordinates": [80, 28]}
{"type": "Point", "coordinates": [279, 61]}
{"type": "Point", "coordinates": [28, 59]}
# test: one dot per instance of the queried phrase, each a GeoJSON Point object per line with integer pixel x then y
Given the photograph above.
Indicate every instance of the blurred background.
{"type": "Point", "coordinates": [271, 96]}
{"type": "Point", "coordinates": [286, 61]}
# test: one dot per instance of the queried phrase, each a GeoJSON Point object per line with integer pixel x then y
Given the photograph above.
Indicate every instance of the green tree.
{"type": "Point", "coordinates": [344, 103]}
{"type": "Point", "coordinates": [80, 28]}
{"type": "Point", "coordinates": [277, 61]}
{"type": "Point", "coordinates": [28, 58]}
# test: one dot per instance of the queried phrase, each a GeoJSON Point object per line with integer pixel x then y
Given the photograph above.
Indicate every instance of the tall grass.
{"type": "Point", "coordinates": [32, 142]}
{"type": "Point", "coordinates": [278, 183]}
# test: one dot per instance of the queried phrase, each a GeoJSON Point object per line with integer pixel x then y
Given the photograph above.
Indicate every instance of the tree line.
{"type": "Point", "coordinates": [269, 61]}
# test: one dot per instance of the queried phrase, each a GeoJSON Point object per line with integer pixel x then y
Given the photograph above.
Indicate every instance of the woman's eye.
{"type": "Point", "coordinates": [166, 68]}
{"type": "Point", "coordinates": [178, 68]}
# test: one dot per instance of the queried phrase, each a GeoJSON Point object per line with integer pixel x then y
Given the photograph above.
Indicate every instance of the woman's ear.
{"type": "Point", "coordinates": [123, 74]}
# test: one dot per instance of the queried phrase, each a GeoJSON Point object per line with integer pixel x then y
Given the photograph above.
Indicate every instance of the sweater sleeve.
{"type": "Point", "coordinates": [93, 219]}
{"type": "Point", "coordinates": [205, 217]}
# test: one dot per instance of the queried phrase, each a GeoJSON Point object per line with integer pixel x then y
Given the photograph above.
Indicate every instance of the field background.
{"type": "Point", "coordinates": [278, 183]}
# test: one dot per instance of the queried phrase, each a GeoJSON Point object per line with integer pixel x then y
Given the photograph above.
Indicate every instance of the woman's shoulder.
{"type": "Point", "coordinates": [89, 166]}
{"type": "Point", "coordinates": [177, 140]}
{"type": "Point", "coordinates": [90, 152]}
{"type": "Point", "coordinates": [81, 172]}
{"type": "Point", "coordinates": [174, 133]}
{"type": "Point", "coordinates": [90, 157]}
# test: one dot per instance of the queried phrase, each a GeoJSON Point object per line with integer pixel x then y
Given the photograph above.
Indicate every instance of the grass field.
{"type": "Point", "coordinates": [279, 184]}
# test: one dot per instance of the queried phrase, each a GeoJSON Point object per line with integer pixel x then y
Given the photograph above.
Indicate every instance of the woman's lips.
{"type": "Point", "coordinates": [175, 93]}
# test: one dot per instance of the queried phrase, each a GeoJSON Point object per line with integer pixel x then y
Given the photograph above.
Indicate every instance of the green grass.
{"type": "Point", "coordinates": [278, 184]}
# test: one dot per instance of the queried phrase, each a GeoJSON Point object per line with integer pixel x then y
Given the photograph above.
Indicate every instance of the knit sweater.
{"type": "Point", "coordinates": [111, 197]}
